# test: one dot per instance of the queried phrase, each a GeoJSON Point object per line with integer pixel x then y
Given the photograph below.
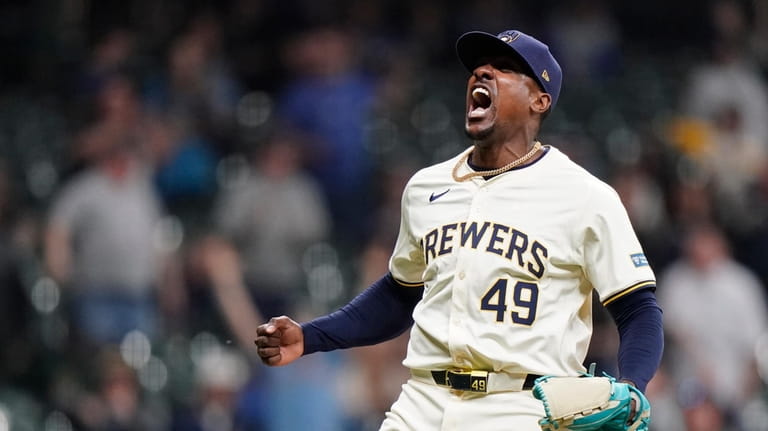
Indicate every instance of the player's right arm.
{"type": "Point", "coordinates": [381, 312]}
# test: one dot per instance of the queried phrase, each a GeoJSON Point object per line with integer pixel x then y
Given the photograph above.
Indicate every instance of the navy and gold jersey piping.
{"type": "Point", "coordinates": [408, 284]}
{"type": "Point", "coordinates": [651, 284]}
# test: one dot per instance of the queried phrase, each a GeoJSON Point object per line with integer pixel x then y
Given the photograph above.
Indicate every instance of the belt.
{"type": "Point", "coordinates": [476, 381]}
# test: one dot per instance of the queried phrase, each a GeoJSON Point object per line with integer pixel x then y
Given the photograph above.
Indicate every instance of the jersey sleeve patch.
{"type": "Point", "coordinates": [637, 286]}
{"type": "Point", "coordinates": [638, 259]}
{"type": "Point", "coordinates": [408, 284]}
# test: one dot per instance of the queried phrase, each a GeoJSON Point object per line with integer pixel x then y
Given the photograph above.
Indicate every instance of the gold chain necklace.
{"type": "Point", "coordinates": [527, 156]}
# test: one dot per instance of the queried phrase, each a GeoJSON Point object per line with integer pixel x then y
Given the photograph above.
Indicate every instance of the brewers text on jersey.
{"type": "Point", "coordinates": [504, 241]}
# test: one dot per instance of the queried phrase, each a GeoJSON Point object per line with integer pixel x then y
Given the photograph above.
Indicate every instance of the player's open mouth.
{"type": "Point", "coordinates": [481, 101]}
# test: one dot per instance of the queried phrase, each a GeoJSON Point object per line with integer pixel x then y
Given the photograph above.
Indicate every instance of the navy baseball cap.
{"type": "Point", "coordinates": [473, 46]}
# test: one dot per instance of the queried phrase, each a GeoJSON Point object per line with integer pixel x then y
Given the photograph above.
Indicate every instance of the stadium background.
{"type": "Point", "coordinates": [226, 103]}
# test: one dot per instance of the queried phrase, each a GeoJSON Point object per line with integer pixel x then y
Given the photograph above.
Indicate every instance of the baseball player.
{"type": "Point", "coordinates": [499, 251]}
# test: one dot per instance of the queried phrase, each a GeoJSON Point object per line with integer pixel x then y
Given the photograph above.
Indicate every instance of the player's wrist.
{"type": "Point", "coordinates": [627, 381]}
{"type": "Point", "coordinates": [310, 339]}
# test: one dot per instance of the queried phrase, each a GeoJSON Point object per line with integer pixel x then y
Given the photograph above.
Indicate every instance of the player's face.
{"type": "Point", "coordinates": [500, 97]}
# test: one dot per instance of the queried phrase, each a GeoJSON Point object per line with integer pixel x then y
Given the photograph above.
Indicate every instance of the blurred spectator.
{"type": "Point", "coordinates": [760, 35]}
{"type": "Point", "coordinates": [720, 150]}
{"type": "Point", "coordinates": [587, 41]}
{"type": "Point", "coordinates": [115, 403]}
{"type": "Point", "coordinates": [184, 166]}
{"type": "Point", "coordinates": [736, 161]}
{"type": "Point", "coordinates": [265, 219]}
{"type": "Point", "coordinates": [688, 190]}
{"type": "Point", "coordinates": [198, 87]}
{"type": "Point", "coordinates": [714, 312]}
{"type": "Point", "coordinates": [700, 411]}
{"type": "Point", "coordinates": [752, 246]}
{"type": "Point", "coordinates": [117, 118]}
{"type": "Point", "coordinates": [220, 375]}
{"type": "Point", "coordinates": [329, 99]}
{"type": "Point", "coordinates": [303, 397]}
{"type": "Point", "coordinates": [19, 357]}
{"type": "Point", "coordinates": [428, 28]}
{"type": "Point", "coordinates": [113, 54]}
{"type": "Point", "coordinates": [490, 14]}
{"type": "Point", "coordinates": [644, 200]}
{"type": "Point", "coordinates": [196, 98]}
{"type": "Point", "coordinates": [101, 241]}
{"type": "Point", "coordinates": [662, 393]}
{"type": "Point", "coordinates": [254, 32]}
{"type": "Point", "coordinates": [728, 92]}
{"type": "Point", "coordinates": [389, 188]}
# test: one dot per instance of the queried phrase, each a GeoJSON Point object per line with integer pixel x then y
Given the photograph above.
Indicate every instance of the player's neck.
{"type": "Point", "coordinates": [491, 156]}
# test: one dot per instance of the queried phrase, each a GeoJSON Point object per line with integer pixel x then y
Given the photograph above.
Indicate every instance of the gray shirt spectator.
{"type": "Point", "coordinates": [271, 221]}
{"type": "Point", "coordinates": [110, 223]}
{"type": "Point", "coordinates": [100, 244]}
{"type": "Point", "coordinates": [714, 310]}
{"type": "Point", "coordinates": [271, 215]}
{"type": "Point", "coordinates": [264, 222]}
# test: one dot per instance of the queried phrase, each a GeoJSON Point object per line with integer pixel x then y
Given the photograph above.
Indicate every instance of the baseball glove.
{"type": "Point", "coordinates": [591, 403]}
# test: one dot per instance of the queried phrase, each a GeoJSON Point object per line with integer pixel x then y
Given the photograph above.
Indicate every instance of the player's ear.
{"type": "Point", "coordinates": [541, 102]}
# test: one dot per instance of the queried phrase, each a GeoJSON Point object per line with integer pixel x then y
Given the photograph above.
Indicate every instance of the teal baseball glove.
{"type": "Point", "coordinates": [591, 403]}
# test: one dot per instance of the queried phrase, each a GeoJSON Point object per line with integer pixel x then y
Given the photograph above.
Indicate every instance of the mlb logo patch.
{"type": "Point", "coordinates": [638, 259]}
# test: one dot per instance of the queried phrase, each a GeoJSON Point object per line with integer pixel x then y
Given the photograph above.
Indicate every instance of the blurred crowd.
{"type": "Point", "coordinates": [173, 173]}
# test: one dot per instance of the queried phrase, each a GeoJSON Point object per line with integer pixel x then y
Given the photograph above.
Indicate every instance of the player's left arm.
{"type": "Point", "coordinates": [619, 271]}
{"type": "Point", "coordinates": [638, 318]}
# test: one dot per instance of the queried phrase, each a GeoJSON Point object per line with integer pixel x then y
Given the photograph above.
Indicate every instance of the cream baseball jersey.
{"type": "Point", "coordinates": [508, 265]}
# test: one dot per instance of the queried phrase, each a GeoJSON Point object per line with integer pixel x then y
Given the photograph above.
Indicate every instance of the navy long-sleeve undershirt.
{"type": "Point", "coordinates": [381, 312]}
{"type": "Point", "coordinates": [385, 310]}
{"type": "Point", "coordinates": [638, 318]}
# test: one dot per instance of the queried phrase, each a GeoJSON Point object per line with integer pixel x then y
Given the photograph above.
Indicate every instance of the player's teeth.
{"type": "Point", "coordinates": [481, 96]}
{"type": "Point", "coordinates": [480, 90]}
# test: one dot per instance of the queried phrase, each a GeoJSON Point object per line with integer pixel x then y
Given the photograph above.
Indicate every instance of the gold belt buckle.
{"type": "Point", "coordinates": [473, 381]}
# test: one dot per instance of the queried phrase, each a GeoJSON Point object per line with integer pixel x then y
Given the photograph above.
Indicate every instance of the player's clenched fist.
{"type": "Point", "coordinates": [280, 341]}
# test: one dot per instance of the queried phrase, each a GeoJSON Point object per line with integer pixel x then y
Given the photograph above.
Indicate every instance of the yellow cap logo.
{"type": "Point", "coordinates": [545, 75]}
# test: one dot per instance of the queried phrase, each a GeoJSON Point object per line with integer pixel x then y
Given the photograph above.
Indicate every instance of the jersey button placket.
{"type": "Point", "coordinates": [455, 330]}
{"type": "Point", "coordinates": [459, 337]}
{"type": "Point", "coordinates": [459, 313]}
{"type": "Point", "coordinates": [476, 206]}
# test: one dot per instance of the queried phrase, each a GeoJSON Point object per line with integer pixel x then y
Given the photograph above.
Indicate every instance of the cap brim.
{"type": "Point", "coordinates": [476, 45]}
